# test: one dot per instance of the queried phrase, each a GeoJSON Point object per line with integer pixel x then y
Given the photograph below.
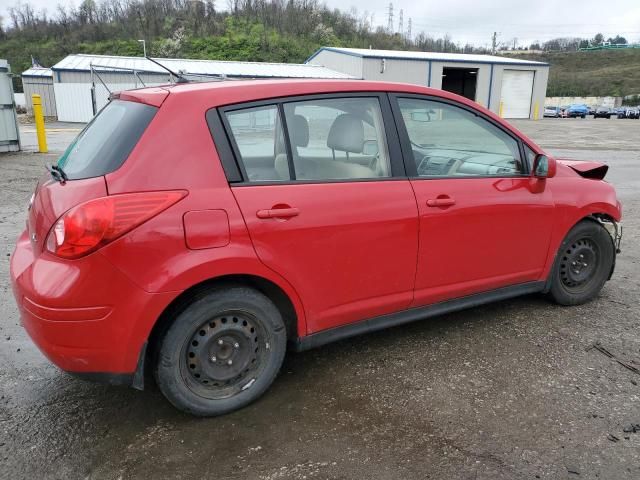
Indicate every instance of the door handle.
{"type": "Point", "coordinates": [278, 213]}
{"type": "Point", "coordinates": [441, 201]}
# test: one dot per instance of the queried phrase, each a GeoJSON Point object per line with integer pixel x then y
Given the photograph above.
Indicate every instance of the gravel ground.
{"type": "Point", "coordinates": [512, 390]}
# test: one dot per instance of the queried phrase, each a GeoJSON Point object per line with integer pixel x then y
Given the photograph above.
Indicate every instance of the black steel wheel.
{"type": "Point", "coordinates": [583, 264]}
{"type": "Point", "coordinates": [579, 263]}
{"type": "Point", "coordinates": [224, 355]}
{"type": "Point", "coordinates": [222, 351]}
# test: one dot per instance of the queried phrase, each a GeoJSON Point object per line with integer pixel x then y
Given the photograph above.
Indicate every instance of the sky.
{"type": "Point", "coordinates": [474, 21]}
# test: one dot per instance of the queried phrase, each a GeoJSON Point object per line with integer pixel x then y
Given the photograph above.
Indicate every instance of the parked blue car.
{"type": "Point", "coordinates": [577, 110]}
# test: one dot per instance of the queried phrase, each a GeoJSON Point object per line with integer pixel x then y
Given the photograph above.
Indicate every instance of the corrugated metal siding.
{"type": "Point", "coordinates": [201, 67]}
{"type": "Point", "coordinates": [9, 136]}
{"type": "Point", "coordinates": [42, 86]}
{"type": "Point", "coordinates": [113, 78]}
{"type": "Point", "coordinates": [37, 72]}
{"type": "Point", "coordinates": [407, 71]}
{"type": "Point", "coordinates": [342, 63]}
{"type": "Point", "coordinates": [422, 56]}
{"type": "Point", "coordinates": [73, 100]}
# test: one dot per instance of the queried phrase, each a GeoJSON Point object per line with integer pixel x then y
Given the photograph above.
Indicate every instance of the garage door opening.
{"type": "Point", "coordinates": [461, 81]}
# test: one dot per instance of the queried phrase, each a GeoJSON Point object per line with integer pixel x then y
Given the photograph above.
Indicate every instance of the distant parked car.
{"type": "Point", "coordinates": [552, 112]}
{"type": "Point", "coordinates": [633, 113]}
{"type": "Point", "coordinates": [592, 110]}
{"type": "Point", "coordinates": [577, 110]}
{"type": "Point", "coordinates": [563, 111]}
{"type": "Point", "coordinates": [602, 112]}
{"type": "Point", "coordinates": [629, 112]}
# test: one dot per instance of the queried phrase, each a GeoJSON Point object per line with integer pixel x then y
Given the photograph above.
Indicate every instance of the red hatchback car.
{"type": "Point", "coordinates": [196, 229]}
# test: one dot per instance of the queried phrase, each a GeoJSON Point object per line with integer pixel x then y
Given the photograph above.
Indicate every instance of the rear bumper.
{"type": "Point", "coordinates": [84, 315]}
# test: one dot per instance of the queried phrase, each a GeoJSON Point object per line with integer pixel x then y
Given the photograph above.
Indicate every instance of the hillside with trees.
{"type": "Point", "coordinates": [591, 73]}
{"type": "Point", "coordinates": [272, 31]}
{"type": "Point", "coordinates": [249, 30]}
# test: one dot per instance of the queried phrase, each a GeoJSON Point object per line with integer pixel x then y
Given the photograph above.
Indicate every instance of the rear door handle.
{"type": "Point", "coordinates": [278, 213]}
{"type": "Point", "coordinates": [441, 201]}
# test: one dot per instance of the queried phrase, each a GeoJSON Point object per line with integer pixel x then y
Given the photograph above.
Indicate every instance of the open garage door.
{"type": "Point", "coordinates": [517, 90]}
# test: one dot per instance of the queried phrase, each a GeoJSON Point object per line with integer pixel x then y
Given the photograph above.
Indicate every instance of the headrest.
{"type": "Point", "coordinates": [298, 131]}
{"type": "Point", "coordinates": [346, 134]}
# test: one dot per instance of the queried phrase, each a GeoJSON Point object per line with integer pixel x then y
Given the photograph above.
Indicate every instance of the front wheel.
{"type": "Point", "coordinates": [583, 264]}
{"type": "Point", "coordinates": [222, 351]}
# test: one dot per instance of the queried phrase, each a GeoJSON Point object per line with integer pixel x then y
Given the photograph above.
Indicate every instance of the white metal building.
{"type": "Point", "coordinates": [513, 88]}
{"type": "Point", "coordinates": [74, 75]}
{"type": "Point", "coordinates": [9, 134]}
{"type": "Point", "coordinates": [39, 80]}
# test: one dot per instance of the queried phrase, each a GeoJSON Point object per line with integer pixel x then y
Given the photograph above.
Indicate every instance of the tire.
{"type": "Point", "coordinates": [583, 116]}
{"type": "Point", "coordinates": [221, 352]}
{"type": "Point", "coordinates": [582, 265]}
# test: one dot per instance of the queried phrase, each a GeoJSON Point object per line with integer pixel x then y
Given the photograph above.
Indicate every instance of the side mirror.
{"type": "Point", "coordinates": [544, 167]}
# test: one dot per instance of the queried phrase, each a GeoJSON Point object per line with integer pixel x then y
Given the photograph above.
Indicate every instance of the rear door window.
{"type": "Point", "coordinates": [106, 142]}
{"type": "Point", "coordinates": [337, 139]}
{"type": "Point", "coordinates": [258, 136]}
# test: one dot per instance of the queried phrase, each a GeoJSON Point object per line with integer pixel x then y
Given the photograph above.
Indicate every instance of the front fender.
{"type": "Point", "coordinates": [575, 199]}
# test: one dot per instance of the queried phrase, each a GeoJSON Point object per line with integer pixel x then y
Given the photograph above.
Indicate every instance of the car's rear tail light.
{"type": "Point", "coordinates": [93, 224]}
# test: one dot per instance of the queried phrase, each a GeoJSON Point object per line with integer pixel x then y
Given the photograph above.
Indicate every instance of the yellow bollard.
{"type": "Point", "coordinates": [39, 118]}
{"type": "Point", "coordinates": [536, 111]}
{"type": "Point", "coordinates": [501, 109]}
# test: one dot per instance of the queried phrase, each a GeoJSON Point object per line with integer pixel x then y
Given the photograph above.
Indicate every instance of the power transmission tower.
{"type": "Point", "coordinates": [409, 30]}
{"type": "Point", "coordinates": [390, 21]}
{"type": "Point", "coordinates": [401, 23]}
{"type": "Point", "coordinates": [494, 42]}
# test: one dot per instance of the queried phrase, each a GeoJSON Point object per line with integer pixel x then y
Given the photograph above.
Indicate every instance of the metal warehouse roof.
{"type": "Point", "coordinates": [434, 56]}
{"type": "Point", "coordinates": [37, 72]}
{"type": "Point", "coordinates": [82, 62]}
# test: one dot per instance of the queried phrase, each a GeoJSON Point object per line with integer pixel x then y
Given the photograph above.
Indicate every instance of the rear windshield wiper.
{"type": "Point", "coordinates": [58, 173]}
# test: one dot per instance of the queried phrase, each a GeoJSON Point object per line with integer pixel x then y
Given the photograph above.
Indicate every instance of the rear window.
{"type": "Point", "coordinates": [106, 142]}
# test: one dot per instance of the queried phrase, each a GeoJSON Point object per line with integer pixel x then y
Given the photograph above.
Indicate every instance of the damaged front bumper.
{"type": "Point", "coordinates": [615, 231]}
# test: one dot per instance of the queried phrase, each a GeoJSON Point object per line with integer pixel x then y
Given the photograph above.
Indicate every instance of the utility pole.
{"type": "Point", "coordinates": [390, 21]}
{"type": "Point", "coordinates": [409, 30]}
{"type": "Point", "coordinates": [515, 42]}
{"type": "Point", "coordinates": [401, 24]}
{"type": "Point", "coordinates": [494, 41]}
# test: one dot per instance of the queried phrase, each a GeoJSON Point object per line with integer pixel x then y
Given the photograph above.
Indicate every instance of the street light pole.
{"type": "Point", "coordinates": [144, 47]}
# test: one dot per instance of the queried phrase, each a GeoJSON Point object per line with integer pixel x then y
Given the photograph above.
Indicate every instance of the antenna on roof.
{"type": "Point", "coordinates": [178, 76]}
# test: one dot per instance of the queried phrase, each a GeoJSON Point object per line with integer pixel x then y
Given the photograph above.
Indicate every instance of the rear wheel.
{"type": "Point", "coordinates": [222, 352]}
{"type": "Point", "coordinates": [583, 264]}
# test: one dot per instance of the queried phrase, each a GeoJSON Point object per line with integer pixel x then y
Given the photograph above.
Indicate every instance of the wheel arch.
{"type": "Point", "coordinates": [293, 321]}
{"type": "Point", "coordinates": [590, 213]}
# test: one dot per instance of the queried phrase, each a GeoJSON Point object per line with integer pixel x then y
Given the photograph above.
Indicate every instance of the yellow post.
{"type": "Point", "coordinates": [536, 111]}
{"type": "Point", "coordinates": [501, 108]}
{"type": "Point", "coordinates": [39, 118]}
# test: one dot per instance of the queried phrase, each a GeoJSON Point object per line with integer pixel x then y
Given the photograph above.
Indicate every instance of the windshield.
{"type": "Point", "coordinates": [106, 142]}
